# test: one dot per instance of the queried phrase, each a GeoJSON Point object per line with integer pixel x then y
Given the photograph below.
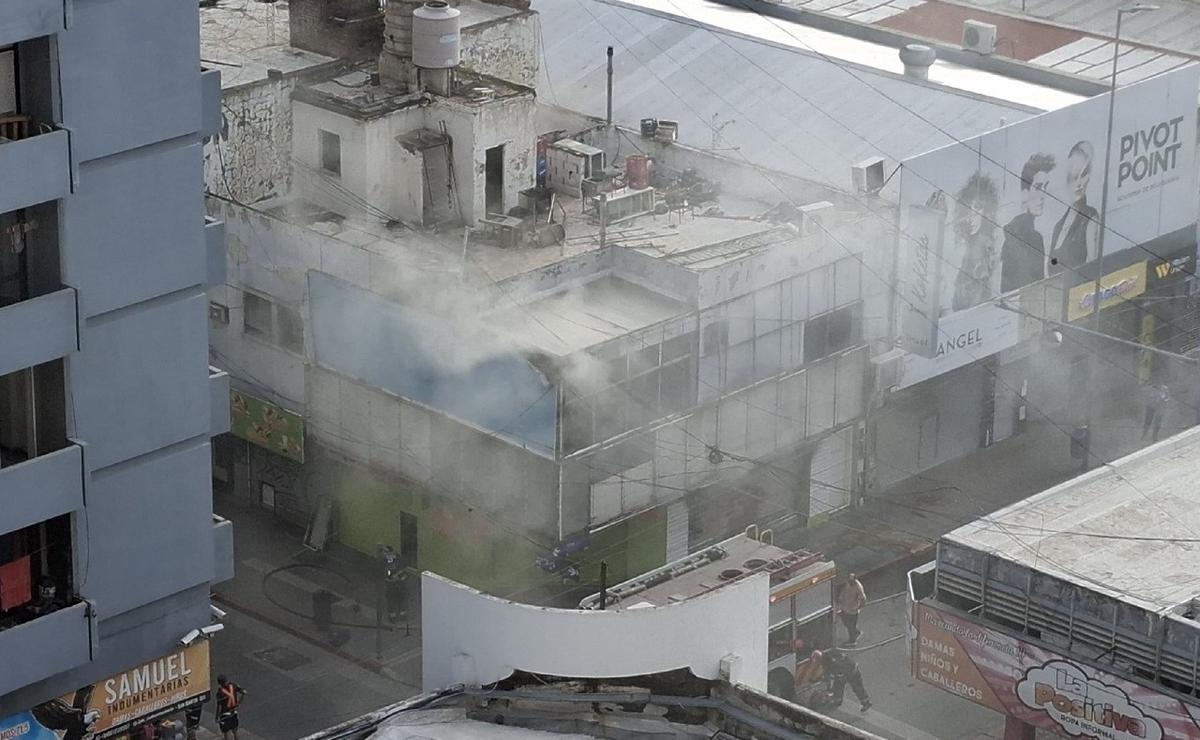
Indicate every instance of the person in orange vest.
{"type": "Point", "coordinates": [229, 698]}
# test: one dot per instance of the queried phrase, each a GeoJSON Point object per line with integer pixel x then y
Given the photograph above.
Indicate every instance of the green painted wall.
{"type": "Point", "coordinates": [468, 546]}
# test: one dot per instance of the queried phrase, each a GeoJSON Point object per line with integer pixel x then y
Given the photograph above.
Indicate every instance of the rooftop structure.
{"type": "Point", "coordinates": [534, 707]}
{"type": "Point", "coordinates": [683, 62]}
{"type": "Point", "coordinates": [1131, 605]}
{"type": "Point", "coordinates": [1075, 40]}
{"type": "Point", "coordinates": [1145, 509]}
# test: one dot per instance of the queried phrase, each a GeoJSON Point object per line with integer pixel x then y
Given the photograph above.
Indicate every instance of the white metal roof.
{"type": "Point", "coordinates": [1130, 530]}
{"type": "Point", "coordinates": [753, 87]}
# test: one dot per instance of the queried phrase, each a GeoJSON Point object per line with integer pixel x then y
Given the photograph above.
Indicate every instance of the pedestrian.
{"type": "Point", "coordinates": [191, 720]}
{"type": "Point", "coordinates": [840, 670]}
{"type": "Point", "coordinates": [229, 698]}
{"type": "Point", "coordinates": [850, 601]}
{"type": "Point", "coordinates": [1156, 406]}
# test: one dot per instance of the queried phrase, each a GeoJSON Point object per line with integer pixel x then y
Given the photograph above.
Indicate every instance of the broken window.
{"type": "Point", "coordinates": [256, 319]}
{"type": "Point", "coordinates": [291, 329]}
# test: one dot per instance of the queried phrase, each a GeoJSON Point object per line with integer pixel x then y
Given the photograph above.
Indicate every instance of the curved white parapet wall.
{"type": "Point", "coordinates": [468, 637]}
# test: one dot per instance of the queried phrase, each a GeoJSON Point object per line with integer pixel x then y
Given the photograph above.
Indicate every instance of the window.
{"type": "Point", "coordinates": [272, 322]}
{"type": "Point", "coordinates": [831, 333]}
{"type": "Point", "coordinates": [331, 151]}
{"type": "Point", "coordinates": [291, 329]}
{"type": "Point", "coordinates": [256, 312]}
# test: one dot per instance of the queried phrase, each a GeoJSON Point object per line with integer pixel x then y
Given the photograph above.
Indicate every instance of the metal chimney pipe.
{"type": "Point", "coordinates": [608, 116]}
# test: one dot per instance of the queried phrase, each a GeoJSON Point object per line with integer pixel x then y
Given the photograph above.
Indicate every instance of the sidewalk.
{"type": "Point", "coordinates": [900, 525]}
{"type": "Point", "coordinates": [276, 577]}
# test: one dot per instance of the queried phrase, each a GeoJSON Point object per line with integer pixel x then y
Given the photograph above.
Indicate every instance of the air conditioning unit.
{"type": "Point", "coordinates": [218, 314]}
{"type": "Point", "coordinates": [888, 370]}
{"type": "Point", "coordinates": [867, 175]}
{"type": "Point", "coordinates": [979, 37]}
{"type": "Point", "coordinates": [813, 215]}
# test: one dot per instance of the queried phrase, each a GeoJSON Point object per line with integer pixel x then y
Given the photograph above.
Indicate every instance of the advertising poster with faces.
{"type": "Point", "coordinates": [1022, 203]}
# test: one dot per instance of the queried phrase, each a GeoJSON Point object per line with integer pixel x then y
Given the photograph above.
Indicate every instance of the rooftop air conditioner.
{"type": "Point", "coordinates": [813, 216]}
{"type": "Point", "coordinates": [979, 37]}
{"type": "Point", "coordinates": [867, 175]}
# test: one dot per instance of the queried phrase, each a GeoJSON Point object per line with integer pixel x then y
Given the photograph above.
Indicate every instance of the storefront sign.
{"type": "Point", "coordinates": [963, 338]}
{"type": "Point", "coordinates": [920, 306]}
{"type": "Point", "coordinates": [1039, 687]}
{"type": "Point", "coordinates": [266, 425]}
{"type": "Point", "coordinates": [1115, 287]}
{"type": "Point", "coordinates": [1170, 270]}
{"type": "Point", "coordinates": [107, 709]}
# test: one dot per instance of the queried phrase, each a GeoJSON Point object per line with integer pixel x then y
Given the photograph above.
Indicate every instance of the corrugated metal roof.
{"type": "Point", "coordinates": [782, 108]}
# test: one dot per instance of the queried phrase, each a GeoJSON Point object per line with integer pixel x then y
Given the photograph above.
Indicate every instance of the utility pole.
{"type": "Point", "coordinates": [1096, 286]}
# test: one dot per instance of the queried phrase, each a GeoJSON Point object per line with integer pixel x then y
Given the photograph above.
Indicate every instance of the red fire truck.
{"type": "Point", "coordinates": [801, 597]}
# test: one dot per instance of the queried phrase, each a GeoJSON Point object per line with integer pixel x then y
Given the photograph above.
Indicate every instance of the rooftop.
{"type": "Point", "coordinates": [441, 252]}
{"type": "Point", "coordinates": [586, 315]}
{"type": "Point", "coordinates": [245, 38]}
{"type": "Point", "coordinates": [353, 93]}
{"type": "Point", "coordinates": [1144, 509]}
{"type": "Point", "coordinates": [779, 94]}
{"type": "Point", "coordinates": [1077, 41]}
{"type": "Point", "coordinates": [675, 704]}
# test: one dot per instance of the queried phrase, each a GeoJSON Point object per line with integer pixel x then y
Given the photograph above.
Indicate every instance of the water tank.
{"type": "Point", "coordinates": [398, 27]}
{"type": "Point", "coordinates": [637, 171]}
{"type": "Point", "coordinates": [436, 37]}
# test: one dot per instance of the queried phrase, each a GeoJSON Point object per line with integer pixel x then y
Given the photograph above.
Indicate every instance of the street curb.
{"type": "Point", "coordinates": [370, 665]}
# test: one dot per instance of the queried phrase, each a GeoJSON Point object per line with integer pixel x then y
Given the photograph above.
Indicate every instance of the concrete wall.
{"type": "Point", "coordinates": [372, 160]}
{"type": "Point", "coordinates": [446, 457]}
{"type": "Point", "coordinates": [698, 634]}
{"type": "Point", "coordinates": [251, 159]}
{"type": "Point", "coordinates": [131, 242]}
{"type": "Point", "coordinates": [507, 48]}
{"type": "Point", "coordinates": [477, 127]}
{"type": "Point", "coordinates": [312, 26]}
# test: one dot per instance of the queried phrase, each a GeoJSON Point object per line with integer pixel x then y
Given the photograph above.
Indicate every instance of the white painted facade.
{"type": "Point", "coordinates": [471, 638]}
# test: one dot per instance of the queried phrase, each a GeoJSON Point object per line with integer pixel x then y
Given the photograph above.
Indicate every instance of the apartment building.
{"type": "Point", "coordinates": [108, 544]}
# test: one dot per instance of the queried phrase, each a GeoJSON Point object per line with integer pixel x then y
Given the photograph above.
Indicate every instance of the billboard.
{"type": "Point", "coordinates": [109, 708]}
{"type": "Point", "coordinates": [1037, 686]}
{"type": "Point", "coordinates": [266, 425]}
{"type": "Point", "coordinates": [1021, 204]}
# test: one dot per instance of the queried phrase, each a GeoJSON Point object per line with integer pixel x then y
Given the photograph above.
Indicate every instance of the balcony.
{"type": "Point", "coordinates": [41, 156]}
{"type": "Point", "coordinates": [39, 329]}
{"type": "Point", "coordinates": [222, 549]}
{"type": "Point", "coordinates": [214, 240]}
{"type": "Point", "coordinates": [218, 400]}
{"type": "Point", "coordinates": [21, 20]}
{"type": "Point", "coordinates": [210, 102]}
{"type": "Point", "coordinates": [45, 646]}
{"type": "Point", "coordinates": [36, 490]}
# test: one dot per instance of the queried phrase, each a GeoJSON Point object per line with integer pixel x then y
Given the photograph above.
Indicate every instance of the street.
{"type": "Point", "coordinates": [903, 707]}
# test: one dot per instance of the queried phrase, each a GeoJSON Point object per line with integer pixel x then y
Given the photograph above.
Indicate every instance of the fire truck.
{"type": "Point", "coordinates": [801, 597]}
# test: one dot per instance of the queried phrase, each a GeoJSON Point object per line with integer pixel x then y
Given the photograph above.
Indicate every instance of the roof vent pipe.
{"type": "Point", "coordinates": [917, 59]}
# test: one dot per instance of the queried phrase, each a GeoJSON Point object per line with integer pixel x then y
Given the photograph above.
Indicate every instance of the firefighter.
{"type": "Point", "coordinates": [841, 671]}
